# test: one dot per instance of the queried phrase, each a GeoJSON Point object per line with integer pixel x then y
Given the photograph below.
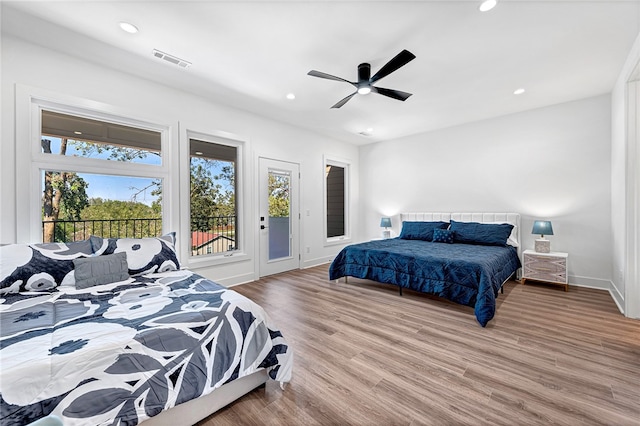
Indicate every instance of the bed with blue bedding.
{"type": "Point", "coordinates": [121, 352]}
{"type": "Point", "coordinates": [465, 266]}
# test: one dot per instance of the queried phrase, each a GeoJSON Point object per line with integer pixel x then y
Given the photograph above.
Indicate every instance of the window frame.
{"type": "Point", "coordinates": [346, 165]}
{"type": "Point", "coordinates": [213, 259]}
{"type": "Point", "coordinates": [31, 162]}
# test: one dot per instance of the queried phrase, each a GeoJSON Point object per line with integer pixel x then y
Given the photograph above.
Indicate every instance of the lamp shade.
{"type": "Point", "coordinates": [385, 222]}
{"type": "Point", "coordinates": [542, 227]}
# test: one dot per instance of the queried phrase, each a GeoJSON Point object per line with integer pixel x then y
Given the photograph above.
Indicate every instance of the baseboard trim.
{"type": "Point", "coordinates": [617, 297]}
{"type": "Point", "coordinates": [317, 261]}
{"type": "Point", "coordinates": [236, 280]}
{"type": "Point", "coordinates": [588, 282]}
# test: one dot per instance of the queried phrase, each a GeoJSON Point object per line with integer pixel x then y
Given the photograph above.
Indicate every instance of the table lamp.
{"type": "Point", "coordinates": [542, 227]}
{"type": "Point", "coordinates": [385, 223]}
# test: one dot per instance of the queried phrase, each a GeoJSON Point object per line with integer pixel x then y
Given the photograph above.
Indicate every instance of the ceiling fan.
{"type": "Point", "coordinates": [364, 85]}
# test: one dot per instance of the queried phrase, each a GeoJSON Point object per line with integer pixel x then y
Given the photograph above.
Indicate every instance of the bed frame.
{"type": "Point", "coordinates": [193, 411]}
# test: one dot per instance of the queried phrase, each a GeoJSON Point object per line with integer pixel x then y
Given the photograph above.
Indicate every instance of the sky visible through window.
{"type": "Point", "coordinates": [122, 188]}
{"type": "Point", "coordinates": [108, 187]}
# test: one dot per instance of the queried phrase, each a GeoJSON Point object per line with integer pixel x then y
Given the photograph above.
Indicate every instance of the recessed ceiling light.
{"type": "Point", "coordinates": [369, 129]}
{"type": "Point", "coordinates": [519, 91]}
{"type": "Point", "coordinates": [487, 5]}
{"type": "Point", "coordinates": [77, 132]}
{"type": "Point", "coordinates": [198, 152]}
{"type": "Point", "coordinates": [130, 28]}
{"type": "Point", "coordinates": [291, 96]}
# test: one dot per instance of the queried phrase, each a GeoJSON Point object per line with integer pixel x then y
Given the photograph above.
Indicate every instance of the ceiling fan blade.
{"type": "Point", "coordinates": [315, 73]}
{"type": "Point", "coordinates": [398, 61]}
{"type": "Point", "coordinates": [344, 101]}
{"type": "Point", "coordinates": [395, 94]}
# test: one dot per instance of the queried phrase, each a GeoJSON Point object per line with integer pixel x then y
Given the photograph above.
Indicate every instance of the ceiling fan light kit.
{"type": "Point", "coordinates": [364, 85]}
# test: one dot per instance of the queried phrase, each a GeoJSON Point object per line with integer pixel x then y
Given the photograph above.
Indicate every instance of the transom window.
{"type": "Point", "coordinates": [64, 134]}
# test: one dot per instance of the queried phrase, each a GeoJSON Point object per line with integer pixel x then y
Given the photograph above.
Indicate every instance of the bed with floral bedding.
{"type": "Point", "coordinates": [89, 350]}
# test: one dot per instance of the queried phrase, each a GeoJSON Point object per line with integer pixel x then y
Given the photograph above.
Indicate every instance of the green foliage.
{"type": "Point", "coordinates": [279, 187]}
{"type": "Point", "coordinates": [73, 191]}
{"type": "Point", "coordinates": [227, 173]}
{"type": "Point", "coordinates": [209, 198]}
{"type": "Point", "coordinates": [116, 153]}
{"type": "Point", "coordinates": [204, 194]}
{"type": "Point", "coordinates": [108, 218]}
{"type": "Point", "coordinates": [115, 209]}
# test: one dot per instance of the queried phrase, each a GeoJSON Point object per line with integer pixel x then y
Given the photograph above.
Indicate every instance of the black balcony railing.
{"type": "Point", "coordinates": [213, 234]}
{"type": "Point", "coordinates": [64, 231]}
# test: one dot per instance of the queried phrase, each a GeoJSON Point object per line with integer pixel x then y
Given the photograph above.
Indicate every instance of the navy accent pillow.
{"type": "Point", "coordinates": [481, 233]}
{"type": "Point", "coordinates": [420, 230]}
{"type": "Point", "coordinates": [443, 236]}
{"type": "Point", "coordinates": [107, 269]}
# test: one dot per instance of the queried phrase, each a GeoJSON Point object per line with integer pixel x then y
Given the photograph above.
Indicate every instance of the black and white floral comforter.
{"type": "Point", "coordinates": [123, 352]}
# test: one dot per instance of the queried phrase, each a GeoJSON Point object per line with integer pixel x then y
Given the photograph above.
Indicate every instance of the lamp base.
{"type": "Point", "coordinates": [386, 234]}
{"type": "Point", "coordinates": [542, 245]}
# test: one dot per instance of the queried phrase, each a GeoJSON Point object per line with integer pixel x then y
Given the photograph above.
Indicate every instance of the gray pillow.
{"type": "Point", "coordinates": [99, 270]}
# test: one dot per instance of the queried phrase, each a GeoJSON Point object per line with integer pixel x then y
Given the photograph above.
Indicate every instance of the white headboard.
{"type": "Point", "coordinates": [512, 218]}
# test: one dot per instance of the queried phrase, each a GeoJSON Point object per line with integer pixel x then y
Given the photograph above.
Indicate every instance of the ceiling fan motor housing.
{"type": "Point", "coordinates": [364, 73]}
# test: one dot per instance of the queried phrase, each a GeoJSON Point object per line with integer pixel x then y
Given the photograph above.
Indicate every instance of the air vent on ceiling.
{"type": "Point", "coordinates": [170, 58]}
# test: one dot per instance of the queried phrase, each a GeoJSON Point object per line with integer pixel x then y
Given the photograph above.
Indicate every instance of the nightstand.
{"type": "Point", "coordinates": [546, 267]}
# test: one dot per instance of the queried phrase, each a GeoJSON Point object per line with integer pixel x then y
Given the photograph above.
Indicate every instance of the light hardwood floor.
{"type": "Point", "coordinates": [366, 356]}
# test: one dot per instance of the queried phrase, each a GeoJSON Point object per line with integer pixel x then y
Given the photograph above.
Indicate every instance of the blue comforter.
{"type": "Point", "coordinates": [463, 273]}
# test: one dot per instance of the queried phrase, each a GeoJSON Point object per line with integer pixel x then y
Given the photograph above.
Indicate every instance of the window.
{"type": "Point", "coordinates": [70, 135]}
{"type": "Point", "coordinates": [336, 200]}
{"type": "Point", "coordinates": [96, 177]}
{"type": "Point", "coordinates": [78, 205]}
{"type": "Point", "coordinates": [279, 187]}
{"type": "Point", "coordinates": [213, 193]}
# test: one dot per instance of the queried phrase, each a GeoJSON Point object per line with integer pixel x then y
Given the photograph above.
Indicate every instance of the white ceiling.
{"type": "Point", "coordinates": [250, 54]}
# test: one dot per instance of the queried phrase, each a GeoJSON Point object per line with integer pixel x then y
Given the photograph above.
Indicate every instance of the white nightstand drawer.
{"type": "Point", "coordinates": [545, 263]}
{"type": "Point", "coordinates": [548, 267]}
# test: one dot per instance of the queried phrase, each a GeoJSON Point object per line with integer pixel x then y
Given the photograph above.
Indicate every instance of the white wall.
{"type": "Point", "coordinates": [549, 163]}
{"type": "Point", "coordinates": [29, 65]}
{"type": "Point", "coordinates": [625, 175]}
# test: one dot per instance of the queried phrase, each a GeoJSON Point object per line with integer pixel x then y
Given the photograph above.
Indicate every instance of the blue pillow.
{"type": "Point", "coordinates": [443, 236]}
{"type": "Point", "coordinates": [487, 234]}
{"type": "Point", "coordinates": [420, 230]}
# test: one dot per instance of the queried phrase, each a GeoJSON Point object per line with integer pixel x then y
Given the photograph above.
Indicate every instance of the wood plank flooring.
{"type": "Point", "coordinates": [366, 356]}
